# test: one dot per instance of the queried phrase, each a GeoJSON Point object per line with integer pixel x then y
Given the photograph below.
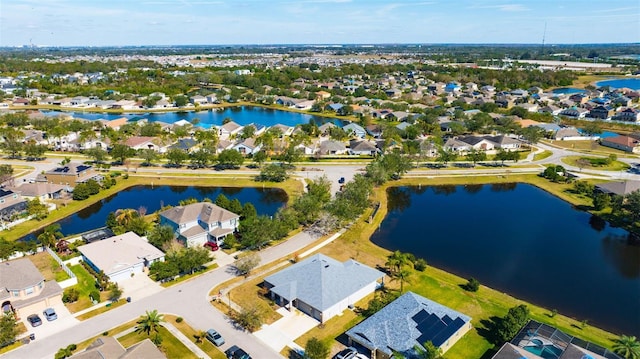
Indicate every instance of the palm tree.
{"type": "Point", "coordinates": [150, 322]}
{"type": "Point", "coordinates": [402, 276]}
{"type": "Point", "coordinates": [200, 336]}
{"type": "Point", "coordinates": [396, 260]}
{"type": "Point", "coordinates": [627, 346]}
{"type": "Point", "coordinates": [125, 216]}
{"type": "Point", "coordinates": [50, 235]}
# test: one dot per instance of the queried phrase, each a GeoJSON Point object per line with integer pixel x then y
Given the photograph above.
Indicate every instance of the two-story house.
{"type": "Point", "coordinates": [72, 174]}
{"type": "Point", "coordinates": [198, 223]}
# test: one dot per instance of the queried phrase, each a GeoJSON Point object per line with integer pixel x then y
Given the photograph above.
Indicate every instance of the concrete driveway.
{"type": "Point", "coordinates": [65, 320]}
{"type": "Point", "coordinates": [285, 330]}
{"type": "Point", "coordinates": [139, 286]}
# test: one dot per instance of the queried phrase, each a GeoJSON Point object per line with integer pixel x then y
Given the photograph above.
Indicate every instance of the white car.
{"type": "Point", "coordinates": [360, 356]}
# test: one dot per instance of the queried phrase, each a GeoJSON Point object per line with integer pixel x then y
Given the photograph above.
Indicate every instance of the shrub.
{"type": "Point", "coordinates": [472, 285]}
{"type": "Point", "coordinates": [420, 264]}
{"type": "Point", "coordinates": [179, 320]}
{"type": "Point", "coordinates": [95, 295]}
{"type": "Point", "coordinates": [70, 295]}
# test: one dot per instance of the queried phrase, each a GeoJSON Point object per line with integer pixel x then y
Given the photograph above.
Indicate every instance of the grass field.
{"type": "Point", "coordinates": [86, 284]}
{"type": "Point", "coordinates": [171, 346]}
{"type": "Point", "coordinates": [542, 155]}
{"type": "Point", "coordinates": [191, 333]}
{"type": "Point", "coordinates": [591, 147]}
{"type": "Point", "coordinates": [590, 163]}
{"type": "Point", "coordinates": [48, 266]}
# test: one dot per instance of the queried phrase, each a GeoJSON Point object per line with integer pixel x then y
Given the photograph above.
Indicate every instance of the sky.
{"type": "Point", "coordinates": [222, 22]}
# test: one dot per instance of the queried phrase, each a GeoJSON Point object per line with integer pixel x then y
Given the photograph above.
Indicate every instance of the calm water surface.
{"type": "Point", "coordinates": [266, 200]}
{"type": "Point", "coordinates": [243, 115]}
{"type": "Point", "coordinates": [633, 84]}
{"type": "Point", "coordinates": [521, 240]}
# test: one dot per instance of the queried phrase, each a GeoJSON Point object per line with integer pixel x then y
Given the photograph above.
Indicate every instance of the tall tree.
{"type": "Point", "coordinates": [50, 235]}
{"type": "Point", "coordinates": [316, 349]}
{"type": "Point", "coordinates": [627, 346]}
{"type": "Point", "coordinates": [150, 322]}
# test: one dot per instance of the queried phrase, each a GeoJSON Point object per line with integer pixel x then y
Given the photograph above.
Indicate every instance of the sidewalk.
{"type": "Point", "coordinates": [188, 343]}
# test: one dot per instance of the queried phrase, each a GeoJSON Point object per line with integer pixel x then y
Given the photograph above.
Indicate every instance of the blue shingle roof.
{"type": "Point", "coordinates": [406, 322]}
{"type": "Point", "coordinates": [322, 281]}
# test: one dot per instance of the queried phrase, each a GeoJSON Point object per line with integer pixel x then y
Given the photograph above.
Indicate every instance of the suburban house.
{"type": "Point", "coordinates": [601, 112]}
{"type": "Point", "coordinates": [628, 115]}
{"type": "Point", "coordinates": [11, 204]}
{"type": "Point", "coordinates": [106, 347]}
{"type": "Point", "coordinates": [229, 128]}
{"type": "Point", "coordinates": [23, 289]}
{"type": "Point", "coordinates": [247, 146]}
{"type": "Point", "coordinates": [362, 147]}
{"type": "Point", "coordinates": [537, 341]}
{"type": "Point", "coordinates": [185, 144]}
{"type": "Point", "coordinates": [326, 127]}
{"type": "Point", "coordinates": [145, 143]}
{"type": "Point", "coordinates": [72, 174]}
{"type": "Point", "coordinates": [331, 147]}
{"type": "Point", "coordinates": [618, 188]}
{"type": "Point", "coordinates": [455, 145]}
{"type": "Point", "coordinates": [505, 142]}
{"type": "Point", "coordinates": [43, 191]}
{"type": "Point", "coordinates": [198, 223]}
{"type": "Point", "coordinates": [407, 322]}
{"type": "Point", "coordinates": [121, 257]}
{"type": "Point", "coordinates": [355, 129]}
{"type": "Point", "coordinates": [624, 143]}
{"type": "Point", "coordinates": [115, 124]}
{"type": "Point", "coordinates": [321, 286]}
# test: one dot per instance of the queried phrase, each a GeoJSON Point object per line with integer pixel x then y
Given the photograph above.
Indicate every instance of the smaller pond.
{"type": "Point", "coordinates": [266, 200]}
{"type": "Point", "coordinates": [242, 115]}
{"type": "Point", "coordinates": [633, 84]}
{"type": "Point", "coordinates": [567, 90]}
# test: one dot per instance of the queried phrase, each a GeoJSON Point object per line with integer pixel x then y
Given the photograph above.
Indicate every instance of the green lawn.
{"type": "Point", "coordinates": [189, 276]}
{"type": "Point", "coordinates": [86, 284]}
{"type": "Point", "coordinates": [48, 266]}
{"type": "Point", "coordinates": [590, 163]}
{"type": "Point", "coordinates": [170, 346]}
{"type": "Point", "coordinates": [191, 333]}
{"type": "Point", "coordinates": [542, 155]}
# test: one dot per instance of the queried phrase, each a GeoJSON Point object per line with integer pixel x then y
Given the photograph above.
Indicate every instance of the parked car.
{"type": "Point", "coordinates": [349, 353]}
{"type": "Point", "coordinates": [360, 356]}
{"type": "Point", "coordinates": [214, 337]}
{"type": "Point", "coordinates": [50, 314]}
{"type": "Point", "coordinates": [213, 246]}
{"type": "Point", "coordinates": [341, 180]}
{"type": "Point", "coordinates": [34, 320]}
{"type": "Point", "coordinates": [236, 352]}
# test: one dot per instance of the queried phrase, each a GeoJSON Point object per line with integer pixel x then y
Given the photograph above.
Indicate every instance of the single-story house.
{"type": "Point", "coordinates": [198, 223]}
{"type": "Point", "coordinates": [106, 347]}
{"type": "Point", "coordinates": [247, 146]}
{"type": "Point", "coordinates": [43, 191]}
{"type": "Point", "coordinates": [624, 143]}
{"type": "Point", "coordinates": [321, 286]}
{"type": "Point", "coordinates": [230, 128]}
{"type": "Point", "coordinates": [407, 322]}
{"type": "Point", "coordinates": [331, 147]}
{"type": "Point", "coordinates": [362, 147]}
{"type": "Point", "coordinates": [121, 257]}
{"type": "Point", "coordinates": [355, 129]}
{"type": "Point", "coordinates": [185, 144]}
{"type": "Point", "coordinates": [619, 188]}
{"type": "Point", "coordinates": [145, 142]}
{"type": "Point", "coordinates": [325, 127]}
{"type": "Point", "coordinates": [23, 289]}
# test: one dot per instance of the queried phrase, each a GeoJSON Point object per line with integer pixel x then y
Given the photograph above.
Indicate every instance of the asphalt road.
{"type": "Point", "coordinates": [189, 300]}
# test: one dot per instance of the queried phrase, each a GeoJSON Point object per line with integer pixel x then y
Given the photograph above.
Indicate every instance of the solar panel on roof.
{"type": "Point", "coordinates": [447, 332]}
{"type": "Point", "coordinates": [420, 316]}
{"type": "Point", "coordinates": [5, 193]}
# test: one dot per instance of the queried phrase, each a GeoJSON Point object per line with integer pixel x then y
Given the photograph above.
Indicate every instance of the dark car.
{"type": "Point", "coordinates": [34, 320]}
{"type": "Point", "coordinates": [341, 180]}
{"type": "Point", "coordinates": [236, 352]}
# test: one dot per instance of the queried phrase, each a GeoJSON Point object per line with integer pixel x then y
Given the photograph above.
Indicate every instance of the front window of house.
{"type": "Point", "coordinates": [40, 285]}
{"type": "Point", "coordinates": [29, 291]}
{"type": "Point", "coordinates": [15, 293]}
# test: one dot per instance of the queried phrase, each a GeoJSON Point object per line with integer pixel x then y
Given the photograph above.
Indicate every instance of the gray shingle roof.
{"type": "Point", "coordinates": [619, 188]}
{"type": "Point", "coordinates": [396, 326]}
{"type": "Point", "coordinates": [19, 274]}
{"type": "Point", "coordinates": [322, 281]}
{"type": "Point", "coordinates": [206, 212]}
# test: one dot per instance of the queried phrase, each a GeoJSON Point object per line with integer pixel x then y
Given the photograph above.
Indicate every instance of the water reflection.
{"type": "Point", "coordinates": [597, 223]}
{"type": "Point", "coordinates": [623, 256]}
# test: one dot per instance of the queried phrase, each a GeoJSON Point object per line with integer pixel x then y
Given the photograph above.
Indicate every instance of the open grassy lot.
{"type": "Point", "coordinates": [48, 266]}
{"type": "Point", "coordinates": [591, 147]}
{"type": "Point", "coordinates": [595, 163]}
{"type": "Point", "coordinates": [170, 346]}
{"type": "Point", "coordinates": [191, 333]}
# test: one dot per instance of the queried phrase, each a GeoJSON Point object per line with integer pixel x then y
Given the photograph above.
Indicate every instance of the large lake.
{"type": "Point", "coordinates": [243, 115]}
{"type": "Point", "coordinates": [633, 84]}
{"type": "Point", "coordinates": [266, 200]}
{"type": "Point", "coordinates": [521, 240]}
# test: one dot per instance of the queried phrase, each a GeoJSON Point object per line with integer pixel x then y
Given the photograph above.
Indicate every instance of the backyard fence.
{"type": "Point", "coordinates": [73, 280]}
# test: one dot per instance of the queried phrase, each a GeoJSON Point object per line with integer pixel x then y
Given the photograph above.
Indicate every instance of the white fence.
{"type": "Point", "coordinates": [73, 280]}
